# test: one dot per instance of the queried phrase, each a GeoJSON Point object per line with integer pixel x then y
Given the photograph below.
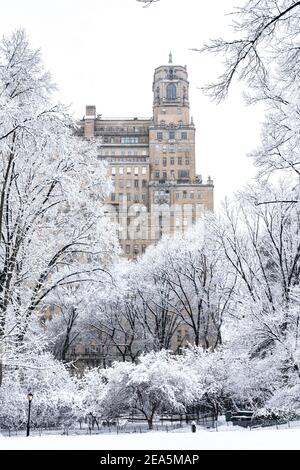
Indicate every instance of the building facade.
{"type": "Point", "coordinates": [152, 164]}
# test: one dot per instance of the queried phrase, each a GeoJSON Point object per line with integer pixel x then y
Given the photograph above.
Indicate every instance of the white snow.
{"type": "Point", "coordinates": [239, 439]}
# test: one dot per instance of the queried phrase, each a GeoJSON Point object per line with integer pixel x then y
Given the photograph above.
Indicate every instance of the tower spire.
{"type": "Point", "coordinates": [170, 58]}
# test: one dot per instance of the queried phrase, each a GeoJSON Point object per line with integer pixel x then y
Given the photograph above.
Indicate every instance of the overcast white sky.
{"type": "Point", "coordinates": [104, 52]}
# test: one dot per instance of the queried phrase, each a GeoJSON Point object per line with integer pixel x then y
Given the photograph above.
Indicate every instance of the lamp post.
{"type": "Point", "coordinates": [29, 397]}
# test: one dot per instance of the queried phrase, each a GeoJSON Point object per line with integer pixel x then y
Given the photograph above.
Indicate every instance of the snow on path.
{"type": "Point", "coordinates": [242, 439]}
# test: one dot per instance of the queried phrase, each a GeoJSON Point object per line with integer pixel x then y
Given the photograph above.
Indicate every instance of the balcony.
{"type": "Point", "coordinates": [101, 131]}
{"type": "Point", "coordinates": [184, 180]}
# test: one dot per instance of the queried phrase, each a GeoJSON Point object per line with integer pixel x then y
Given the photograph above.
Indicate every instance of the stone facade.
{"type": "Point", "coordinates": [152, 164]}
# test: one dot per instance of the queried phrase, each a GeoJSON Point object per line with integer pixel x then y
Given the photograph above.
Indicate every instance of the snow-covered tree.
{"type": "Point", "coordinates": [92, 392]}
{"type": "Point", "coordinates": [52, 223]}
{"type": "Point", "coordinates": [112, 318]}
{"type": "Point", "coordinates": [199, 290]}
{"type": "Point", "coordinates": [263, 54]}
{"type": "Point", "coordinates": [55, 395]}
{"type": "Point", "coordinates": [261, 243]}
{"type": "Point", "coordinates": [147, 2]}
{"type": "Point", "coordinates": [210, 374]}
{"type": "Point", "coordinates": [152, 298]}
{"type": "Point", "coordinates": [158, 382]}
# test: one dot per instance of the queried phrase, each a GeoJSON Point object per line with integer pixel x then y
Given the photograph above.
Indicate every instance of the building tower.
{"type": "Point", "coordinates": [172, 132]}
{"type": "Point", "coordinates": [173, 179]}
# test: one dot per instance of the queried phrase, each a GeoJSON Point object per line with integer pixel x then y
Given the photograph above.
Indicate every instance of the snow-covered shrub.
{"type": "Point", "coordinates": [54, 392]}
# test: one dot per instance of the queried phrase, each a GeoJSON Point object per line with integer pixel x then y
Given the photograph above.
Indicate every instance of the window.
{"type": "Point", "coordinates": [121, 170]}
{"type": "Point", "coordinates": [143, 248]}
{"type": "Point", "coordinates": [127, 249]}
{"type": "Point", "coordinates": [144, 198]}
{"type": "Point", "coordinates": [136, 170]}
{"type": "Point", "coordinates": [184, 135]}
{"type": "Point", "coordinates": [144, 184]}
{"type": "Point", "coordinates": [113, 197]}
{"type": "Point", "coordinates": [184, 194]}
{"type": "Point", "coordinates": [113, 170]}
{"type": "Point", "coordinates": [172, 161]}
{"type": "Point", "coordinates": [164, 149]}
{"type": "Point", "coordinates": [129, 140]}
{"type": "Point", "coordinates": [179, 148]}
{"type": "Point", "coordinates": [144, 170]}
{"type": "Point", "coordinates": [164, 174]}
{"type": "Point", "coordinates": [136, 249]}
{"type": "Point", "coordinates": [128, 197]}
{"type": "Point", "coordinates": [187, 161]}
{"type": "Point", "coordinates": [128, 184]}
{"type": "Point", "coordinates": [172, 148]}
{"type": "Point", "coordinates": [177, 195]}
{"type": "Point", "coordinates": [164, 162]}
{"type": "Point", "coordinates": [121, 197]}
{"type": "Point", "coordinates": [192, 194]}
{"type": "Point", "coordinates": [136, 183]}
{"type": "Point", "coordinates": [159, 136]}
{"type": "Point", "coordinates": [121, 183]}
{"type": "Point", "coordinates": [128, 170]}
{"type": "Point", "coordinates": [171, 91]}
{"type": "Point", "coordinates": [171, 135]}
{"type": "Point", "coordinates": [183, 174]}
{"type": "Point", "coordinates": [136, 198]}
{"type": "Point", "coordinates": [157, 174]}
{"type": "Point", "coordinates": [199, 195]}
{"type": "Point", "coordinates": [179, 161]}
{"type": "Point", "coordinates": [90, 110]}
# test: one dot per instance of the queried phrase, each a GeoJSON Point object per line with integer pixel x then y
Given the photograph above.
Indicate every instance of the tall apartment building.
{"type": "Point", "coordinates": [152, 164]}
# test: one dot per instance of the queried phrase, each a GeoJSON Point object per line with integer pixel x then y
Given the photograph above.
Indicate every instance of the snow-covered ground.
{"type": "Point", "coordinates": [225, 438]}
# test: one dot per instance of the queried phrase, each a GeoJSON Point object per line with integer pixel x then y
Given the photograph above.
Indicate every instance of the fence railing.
{"type": "Point", "coordinates": [123, 424]}
{"type": "Point", "coordinates": [128, 425]}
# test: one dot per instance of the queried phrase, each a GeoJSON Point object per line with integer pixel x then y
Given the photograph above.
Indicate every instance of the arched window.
{"type": "Point", "coordinates": [171, 91]}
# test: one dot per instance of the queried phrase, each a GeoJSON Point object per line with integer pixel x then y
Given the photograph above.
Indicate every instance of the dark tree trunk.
{"type": "Point", "coordinates": [150, 422]}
